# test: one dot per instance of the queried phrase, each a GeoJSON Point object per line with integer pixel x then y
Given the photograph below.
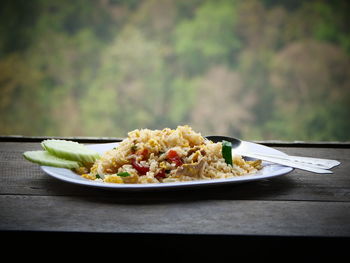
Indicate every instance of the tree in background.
{"type": "Point", "coordinates": [312, 86]}
{"type": "Point", "coordinates": [253, 69]}
{"type": "Point", "coordinates": [226, 106]}
{"type": "Point", "coordinates": [208, 38]}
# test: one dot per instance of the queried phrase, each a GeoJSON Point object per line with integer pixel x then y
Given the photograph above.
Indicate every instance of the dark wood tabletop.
{"type": "Point", "coordinates": [296, 208]}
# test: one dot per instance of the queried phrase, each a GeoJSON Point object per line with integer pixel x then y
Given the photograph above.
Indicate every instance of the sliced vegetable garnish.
{"type": "Point", "coordinates": [70, 150]}
{"type": "Point", "coordinates": [123, 174]}
{"type": "Point", "coordinates": [45, 158]}
{"type": "Point", "coordinates": [227, 152]}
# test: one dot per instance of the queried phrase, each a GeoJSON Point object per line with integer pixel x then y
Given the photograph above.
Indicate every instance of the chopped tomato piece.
{"type": "Point", "coordinates": [160, 175]}
{"type": "Point", "coordinates": [138, 167]}
{"type": "Point", "coordinates": [174, 158]}
{"type": "Point", "coordinates": [172, 154]}
{"type": "Point", "coordinates": [143, 153]}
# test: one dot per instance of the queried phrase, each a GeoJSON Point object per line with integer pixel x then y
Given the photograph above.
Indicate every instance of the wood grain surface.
{"type": "Point", "coordinates": [298, 204]}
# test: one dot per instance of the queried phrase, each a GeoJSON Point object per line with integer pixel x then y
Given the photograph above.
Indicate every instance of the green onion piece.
{"type": "Point", "coordinates": [227, 152]}
{"type": "Point", "coordinates": [123, 174]}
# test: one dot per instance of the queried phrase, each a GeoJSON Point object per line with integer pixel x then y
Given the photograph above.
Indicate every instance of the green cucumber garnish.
{"type": "Point", "coordinates": [45, 158]}
{"type": "Point", "coordinates": [227, 152]}
{"type": "Point", "coordinates": [70, 150]}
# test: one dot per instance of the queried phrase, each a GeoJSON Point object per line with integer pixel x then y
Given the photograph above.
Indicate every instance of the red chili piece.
{"type": "Point", "coordinates": [138, 167]}
{"type": "Point", "coordinates": [174, 157]}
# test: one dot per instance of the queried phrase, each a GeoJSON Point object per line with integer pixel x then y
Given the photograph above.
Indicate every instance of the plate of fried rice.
{"type": "Point", "coordinates": [168, 158]}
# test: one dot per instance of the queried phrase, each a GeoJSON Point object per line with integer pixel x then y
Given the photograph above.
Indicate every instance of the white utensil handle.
{"type": "Point", "coordinates": [326, 163]}
{"type": "Point", "coordinates": [298, 165]}
{"type": "Point", "coordinates": [316, 162]}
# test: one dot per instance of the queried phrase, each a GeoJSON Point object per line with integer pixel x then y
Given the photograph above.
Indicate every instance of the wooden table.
{"type": "Point", "coordinates": [302, 210]}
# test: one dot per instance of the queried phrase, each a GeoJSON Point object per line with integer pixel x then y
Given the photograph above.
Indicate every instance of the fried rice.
{"type": "Point", "coordinates": [164, 156]}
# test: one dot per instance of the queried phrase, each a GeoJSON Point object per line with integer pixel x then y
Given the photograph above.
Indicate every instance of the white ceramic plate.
{"type": "Point", "coordinates": [269, 170]}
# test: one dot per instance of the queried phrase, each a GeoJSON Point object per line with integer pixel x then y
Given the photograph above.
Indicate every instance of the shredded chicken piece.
{"type": "Point", "coordinates": [192, 170]}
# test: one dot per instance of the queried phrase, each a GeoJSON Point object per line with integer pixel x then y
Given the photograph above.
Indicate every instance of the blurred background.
{"type": "Point", "coordinates": [256, 69]}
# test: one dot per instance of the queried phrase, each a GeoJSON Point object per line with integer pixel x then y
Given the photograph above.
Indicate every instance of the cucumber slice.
{"type": "Point", "coordinates": [70, 150]}
{"type": "Point", "coordinates": [45, 158]}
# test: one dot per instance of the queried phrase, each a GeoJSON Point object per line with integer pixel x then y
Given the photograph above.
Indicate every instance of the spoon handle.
{"type": "Point", "coordinates": [317, 162]}
{"type": "Point", "coordinates": [294, 164]}
{"type": "Point", "coordinates": [322, 163]}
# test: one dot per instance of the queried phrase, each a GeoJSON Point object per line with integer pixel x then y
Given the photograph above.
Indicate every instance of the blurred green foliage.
{"type": "Point", "coordinates": [252, 69]}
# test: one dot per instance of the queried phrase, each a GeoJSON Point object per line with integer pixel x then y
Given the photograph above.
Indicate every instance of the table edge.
{"type": "Point", "coordinates": [83, 139]}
